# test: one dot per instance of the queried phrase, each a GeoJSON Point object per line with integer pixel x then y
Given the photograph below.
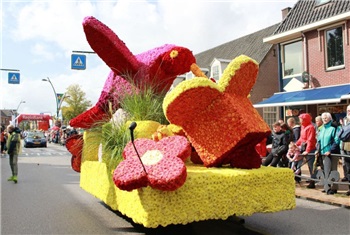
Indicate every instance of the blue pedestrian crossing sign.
{"type": "Point", "coordinates": [78, 61]}
{"type": "Point", "coordinates": [14, 78]}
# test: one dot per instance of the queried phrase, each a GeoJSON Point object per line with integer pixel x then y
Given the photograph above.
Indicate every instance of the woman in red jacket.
{"type": "Point", "coordinates": [3, 140]}
{"type": "Point", "coordinates": [308, 140]}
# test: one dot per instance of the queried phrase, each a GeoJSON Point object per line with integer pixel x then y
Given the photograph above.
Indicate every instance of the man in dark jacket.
{"type": "Point", "coordinates": [279, 146]}
{"type": "Point", "coordinates": [13, 149]}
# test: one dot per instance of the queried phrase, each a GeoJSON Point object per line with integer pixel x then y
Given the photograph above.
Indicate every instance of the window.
{"type": "Point", "coordinates": [215, 72]}
{"type": "Point", "coordinates": [270, 115]}
{"type": "Point", "coordinates": [189, 75]}
{"type": "Point", "coordinates": [321, 2]}
{"type": "Point", "coordinates": [292, 59]}
{"type": "Point", "coordinates": [334, 47]}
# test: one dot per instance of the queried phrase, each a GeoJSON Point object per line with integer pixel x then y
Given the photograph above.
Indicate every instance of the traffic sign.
{"type": "Point", "coordinates": [13, 78]}
{"type": "Point", "coordinates": [78, 61]}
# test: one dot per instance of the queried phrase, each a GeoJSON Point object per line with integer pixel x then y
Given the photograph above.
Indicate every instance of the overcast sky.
{"type": "Point", "coordinates": [38, 37]}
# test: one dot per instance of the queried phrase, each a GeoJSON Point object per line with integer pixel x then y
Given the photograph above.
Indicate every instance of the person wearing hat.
{"type": "Point", "coordinates": [307, 143]}
{"type": "Point", "coordinates": [13, 147]}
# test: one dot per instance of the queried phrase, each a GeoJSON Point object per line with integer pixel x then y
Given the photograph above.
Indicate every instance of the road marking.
{"type": "Point", "coordinates": [54, 153]}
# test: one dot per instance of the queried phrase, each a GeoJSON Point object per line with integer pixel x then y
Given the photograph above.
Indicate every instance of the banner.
{"type": "Point", "coordinates": [33, 117]}
{"type": "Point", "coordinates": [59, 98]}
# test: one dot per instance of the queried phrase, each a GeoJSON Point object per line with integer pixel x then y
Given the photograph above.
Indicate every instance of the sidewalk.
{"type": "Point", "coordinates": [339, 199]}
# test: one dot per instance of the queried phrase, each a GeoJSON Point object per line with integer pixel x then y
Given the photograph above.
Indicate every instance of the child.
{"type": "Point", "coordinates": [294, 155]}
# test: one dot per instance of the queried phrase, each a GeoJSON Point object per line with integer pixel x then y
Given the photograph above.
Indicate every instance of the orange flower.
{"type": "Point", "coordinates": [219, 119]}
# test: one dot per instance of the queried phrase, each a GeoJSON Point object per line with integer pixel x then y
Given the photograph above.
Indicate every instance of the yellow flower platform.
{"type": "Point", "coordinates": [208, 193]}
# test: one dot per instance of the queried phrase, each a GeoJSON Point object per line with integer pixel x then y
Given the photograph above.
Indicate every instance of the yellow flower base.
{"type": "Point", "coordinates": [208, 193]}
{"type": "Point", "coordinates": [90, 151]}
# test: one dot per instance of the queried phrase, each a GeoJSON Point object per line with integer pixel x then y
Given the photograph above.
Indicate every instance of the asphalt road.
{"type": "Point", "coordinates": [48, 200]}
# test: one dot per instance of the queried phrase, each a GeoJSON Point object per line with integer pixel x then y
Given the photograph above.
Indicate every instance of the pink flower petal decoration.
{"type": "Point", "coordinates": [171, 146]}
{"type": "Point", "coordinates": [163, 161]}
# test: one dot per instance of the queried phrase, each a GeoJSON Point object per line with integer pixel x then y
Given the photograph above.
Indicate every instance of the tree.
{"type": "Point", "coordinates": [76, 102]}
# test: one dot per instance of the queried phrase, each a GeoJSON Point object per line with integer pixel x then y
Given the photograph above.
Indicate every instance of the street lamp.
{"type": "Point", "coordinates": [60, 104]}
{"type": "Point", "coordinates": [16, 114]}
{"type": "Point", "coordinates": [63, 97]}
{"type": "Point", "coordinates": [57, 108]}
{"type": "Point", "coordinates": [22, 102]}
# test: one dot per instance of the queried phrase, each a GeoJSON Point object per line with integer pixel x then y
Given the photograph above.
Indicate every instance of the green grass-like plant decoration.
{"type": "Point", "coordinates": [145, 105]}
{"type": "Point", "coordinates": [142, 105]}
{"type": "Point", "coordinates": [114, 139]}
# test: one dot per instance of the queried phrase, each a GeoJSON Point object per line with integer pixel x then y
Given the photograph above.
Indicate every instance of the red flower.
{"type": "Point", "coordinates": [163, 161]}
{"type": "Point", "coordinates": [74, 145]}
{"type": "Point", "coordinates": [76, 163]}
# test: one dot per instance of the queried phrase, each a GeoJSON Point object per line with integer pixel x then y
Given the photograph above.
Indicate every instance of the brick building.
{"type": "Point", "coordinates": [6, 116]}
{"type": "Point", "coordinates": [313, 61]}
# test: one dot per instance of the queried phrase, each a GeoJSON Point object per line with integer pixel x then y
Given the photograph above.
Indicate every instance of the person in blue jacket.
{"type": "Point", "coordinates": [328, 144]}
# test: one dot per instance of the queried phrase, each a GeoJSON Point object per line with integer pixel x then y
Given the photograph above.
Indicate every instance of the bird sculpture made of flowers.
{"type": "Point", "coordinates": [156, 68]}
{"type": "Point", "coordinates": [218, 118]}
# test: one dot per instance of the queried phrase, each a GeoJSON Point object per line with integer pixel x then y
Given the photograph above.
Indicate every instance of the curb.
{"type": "Point", "coordinates": [322, 201]}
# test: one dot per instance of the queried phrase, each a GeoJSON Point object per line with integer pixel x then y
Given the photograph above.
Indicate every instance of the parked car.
{"type": "Point", "coordinates": [35, 139]}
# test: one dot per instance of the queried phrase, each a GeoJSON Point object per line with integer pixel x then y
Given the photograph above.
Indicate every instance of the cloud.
{"type": "Point", "coordinates": [42, 50]}
{"type": "Point", "coordinates": [57, 22]}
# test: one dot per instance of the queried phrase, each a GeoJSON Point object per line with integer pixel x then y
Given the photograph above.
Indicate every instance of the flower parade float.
{"type": "Point", "coordinates": [193, 157]}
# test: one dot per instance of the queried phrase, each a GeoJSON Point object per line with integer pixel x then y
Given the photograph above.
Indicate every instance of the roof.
{"type": "Point", "coordinates": [251, 45]}
{"type": "Point", "coordinates": [7, 112]}
{"type": "Point", "coordinates": [306, 12]}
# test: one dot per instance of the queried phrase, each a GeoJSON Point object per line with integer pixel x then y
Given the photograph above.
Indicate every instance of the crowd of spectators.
{"type": "Point", "coordinates": [313, 143]}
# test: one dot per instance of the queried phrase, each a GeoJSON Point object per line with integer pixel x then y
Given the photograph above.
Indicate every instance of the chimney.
{"type": "Point", "coordinates": [285, 12]}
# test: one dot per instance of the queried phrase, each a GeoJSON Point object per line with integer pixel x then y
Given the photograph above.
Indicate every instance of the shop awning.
{"type": "Point", "coordinates": [321, 95]}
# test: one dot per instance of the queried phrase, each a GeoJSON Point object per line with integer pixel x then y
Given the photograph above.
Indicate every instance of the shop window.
{"type": "Point", "coordinates": [337, 110]}
{"type": "Point", "coordinates": [334, 47]}
{"type": "Point", "coordinates": [270, 115]}
{"type": "Point", "coordinates": [294, 112]}
{"type": "Point", "coordinates": [292, 59]}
